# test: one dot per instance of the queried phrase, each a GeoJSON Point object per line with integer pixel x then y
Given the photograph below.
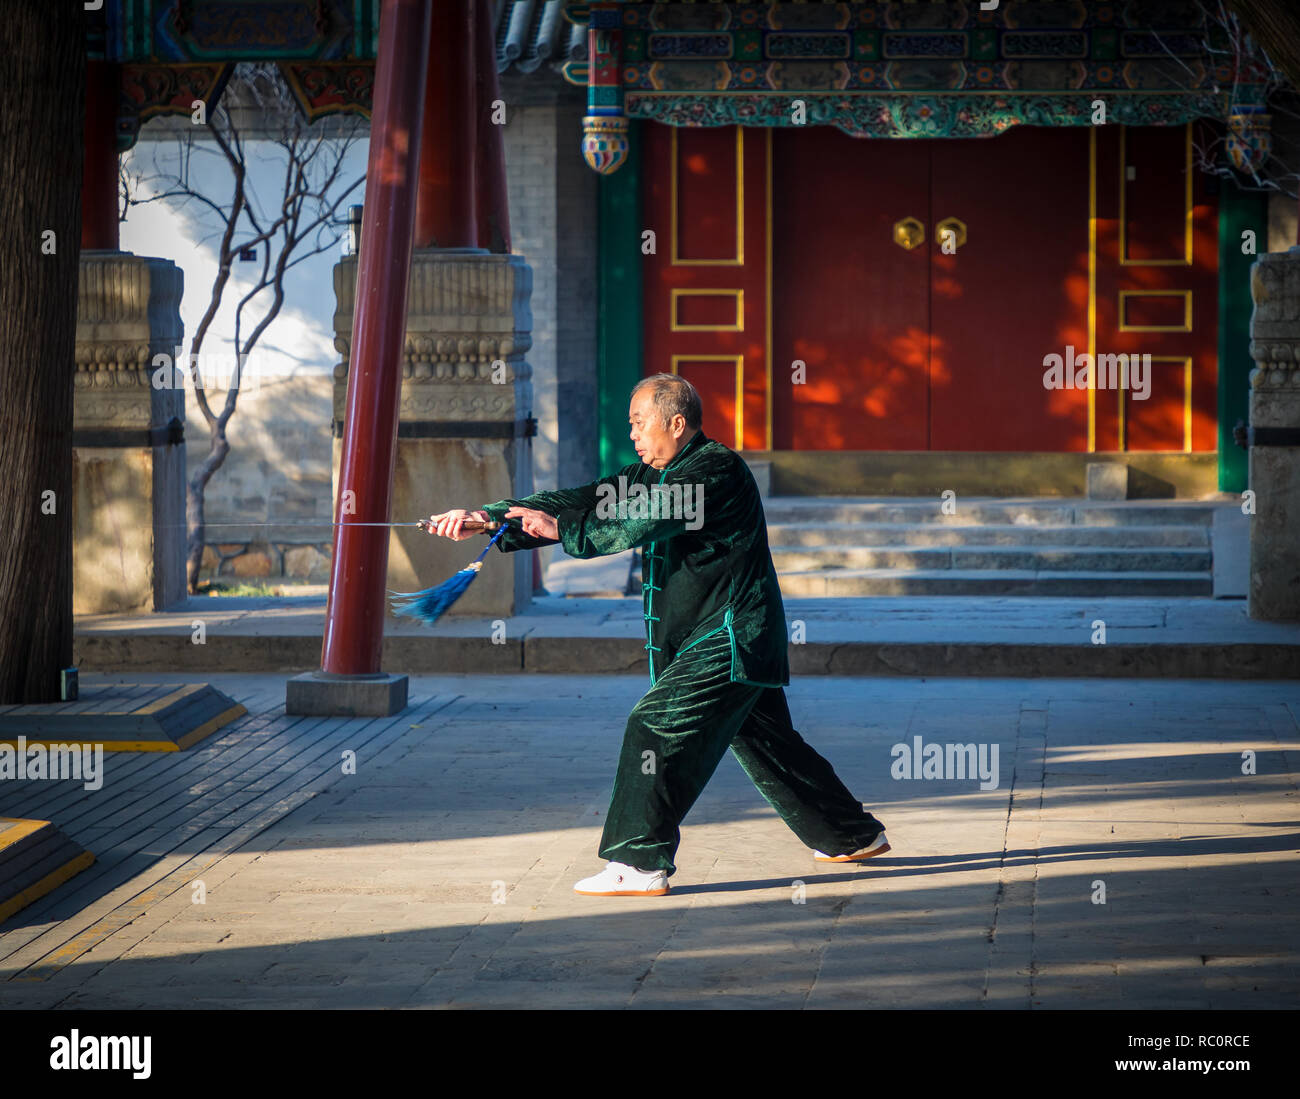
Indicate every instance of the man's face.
{"type": "Point", "coordinates": [656, 445]}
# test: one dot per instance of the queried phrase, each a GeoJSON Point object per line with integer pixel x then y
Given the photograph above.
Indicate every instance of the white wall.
{"type": "Point", "coordinates": [552, 195]}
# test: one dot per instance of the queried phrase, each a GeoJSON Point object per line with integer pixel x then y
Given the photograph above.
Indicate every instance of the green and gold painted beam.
{"type": "Point", "coordinates": [880, 69]}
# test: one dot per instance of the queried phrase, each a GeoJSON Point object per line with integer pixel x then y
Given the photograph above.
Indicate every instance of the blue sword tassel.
{"type": "Point", "coordinates": [430, 605]}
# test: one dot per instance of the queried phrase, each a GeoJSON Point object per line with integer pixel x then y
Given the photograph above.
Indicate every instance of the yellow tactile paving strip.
{"type": "Point", "coordinates": [152, 707]}
{"type": "Point", "coordinates": [12, 830]}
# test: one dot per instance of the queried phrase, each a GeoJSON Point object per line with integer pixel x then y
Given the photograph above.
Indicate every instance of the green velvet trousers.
{"type": "Point", "coordinates": [674, 741]}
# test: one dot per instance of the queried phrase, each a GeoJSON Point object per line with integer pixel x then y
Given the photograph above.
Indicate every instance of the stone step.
{"type": "Point", "coordinates": [861, 582]}
{"type": "Point", "coordinates": [1078, 559]}
{"type": "Point", "coordinates": [1051, 512]}
{"type": "Point", "coordinates": [790, 535]}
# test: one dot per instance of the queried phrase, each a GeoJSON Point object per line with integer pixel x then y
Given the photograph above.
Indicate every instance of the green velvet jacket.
{"type": "Point", "coordinates": [704, 570]}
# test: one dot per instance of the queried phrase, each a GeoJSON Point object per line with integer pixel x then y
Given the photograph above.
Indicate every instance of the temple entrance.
{"type": "Point", "coordinates": [835, 293]}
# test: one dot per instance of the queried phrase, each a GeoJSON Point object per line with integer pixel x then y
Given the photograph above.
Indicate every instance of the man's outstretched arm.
{"type": "Point", "coordinates": [551, 502]}
{"type": "Point", "coordinates": [514, 537]}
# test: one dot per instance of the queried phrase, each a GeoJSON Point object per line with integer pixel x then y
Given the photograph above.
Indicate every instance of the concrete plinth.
{"type": "Point", "coordinates": [318, 694]}
{"type": "Point", "coordinates": [128, 550]}
{"type": "Point", "coordinates": [1230, 543]}
{"type": "Point", "coordinates": [1107, 481]}
{"type": "Point", "coordinates": [762, 473]}
{"type": "Point", "coordinates": [464, 433]}
{"type": "Point", "coordinates": [1275, 437]}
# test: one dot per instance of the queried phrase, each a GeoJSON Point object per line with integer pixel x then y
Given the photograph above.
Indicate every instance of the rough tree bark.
{"type": "Point", "coordinates": [42, 82]}
{"type": "Point", "coordinates": [1276, 26]}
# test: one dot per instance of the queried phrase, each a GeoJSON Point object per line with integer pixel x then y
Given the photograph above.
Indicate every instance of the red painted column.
{"type": "Point", "coordinates": [493, 204]}
{"type": "Point", "coordinates": [99, 225]}
{"type": "Point", "coordinates": [354, 621]}
{"type": "Point", "coordinates": [446, 215]}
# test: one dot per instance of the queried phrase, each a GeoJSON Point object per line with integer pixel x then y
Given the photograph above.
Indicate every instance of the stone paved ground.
{"type": "Point", "coordinates": [951, 619]}
{"type": "Point", "coordinates": [379, 890]}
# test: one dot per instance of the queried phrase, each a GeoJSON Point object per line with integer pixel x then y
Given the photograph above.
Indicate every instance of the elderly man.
{"type": "Point", "coordinates": [716, 634]}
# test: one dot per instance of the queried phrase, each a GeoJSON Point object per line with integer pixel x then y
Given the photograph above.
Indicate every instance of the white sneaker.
{"type": "Point", "coordinates": [878, 846]}
{"type": "Point", "coordinates": [620, 880]}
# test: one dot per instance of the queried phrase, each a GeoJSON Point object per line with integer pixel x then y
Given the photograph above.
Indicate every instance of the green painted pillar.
{"type": "Point", "coordinates": [1238, 211]}
{"type": "Point", "coordinates": [619, 320]}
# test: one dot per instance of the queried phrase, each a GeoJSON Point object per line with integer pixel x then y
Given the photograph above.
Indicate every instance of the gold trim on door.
{"type": "Point", "coordinates": [767, 290]}
{"type": "Point", "coordinates": [738, 296]}
{"type": "Point", "coordinates": [1124, 260]}
{"type": "Point", "coordinates": [1186, 360]}
{"type": "Point", "coordinates": [1092, 283]}
{"type": "Point", "coordinates": [738, 259]}
{"type": "Point", "coordinates": [739, 361]}
{"type": "Point", "coordinates": [1186, 296]}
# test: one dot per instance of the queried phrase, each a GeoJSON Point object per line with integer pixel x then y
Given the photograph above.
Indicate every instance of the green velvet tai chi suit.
{"type": "Point", "coordinates": [716, 634]}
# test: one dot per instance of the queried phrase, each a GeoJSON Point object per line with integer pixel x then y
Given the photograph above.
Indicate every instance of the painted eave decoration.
{"type": "Point", "coordinates": [895, 69]}
{"type": "Point", "coordinates": [872, 68]}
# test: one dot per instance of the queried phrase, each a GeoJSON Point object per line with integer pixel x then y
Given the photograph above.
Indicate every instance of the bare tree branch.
{"type": "Point", "coordinates": [302, 223]}
{"type": "Point", "coordinates": [1255, 80]}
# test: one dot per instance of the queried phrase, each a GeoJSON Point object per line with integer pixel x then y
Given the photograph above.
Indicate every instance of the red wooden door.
{"type": "Point", "coordinates": [705, 293]}
{"type": "Point", "coordinates": [1068, 242]}
{"type": "Point", "coordinates": [848, 302]}
{"type": "Point", "coordinates": [1157, 289]}
{"type": "Point", "coordinates": [1012, 292]}
{"type": "Point", "coordinates": [922, 349]}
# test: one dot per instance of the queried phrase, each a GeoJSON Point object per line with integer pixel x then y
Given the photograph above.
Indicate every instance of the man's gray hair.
{"type": "Point", "coordinates": [673, 395]}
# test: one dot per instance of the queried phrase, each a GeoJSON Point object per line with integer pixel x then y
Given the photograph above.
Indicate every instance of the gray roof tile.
{"type": "Point", "coordinates": [533, 33]}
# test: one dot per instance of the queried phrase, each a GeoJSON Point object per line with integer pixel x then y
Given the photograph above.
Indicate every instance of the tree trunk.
{"type": "Point", "coordinates": [43, 74]}
{"type": "Point", "coordinates": [194, 535]}
{"type": "Point", "coordinates": [1276, 26]}
{"type": "Point", "coordinates": [195, 519]}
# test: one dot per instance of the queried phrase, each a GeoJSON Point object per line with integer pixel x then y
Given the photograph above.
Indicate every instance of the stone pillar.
{"type": "Point", "coordinates": [128, 551]}
{"type": "Point", "coordinates": [464, 432]}
{"type": "Point", "coordinates": [1274, 437]}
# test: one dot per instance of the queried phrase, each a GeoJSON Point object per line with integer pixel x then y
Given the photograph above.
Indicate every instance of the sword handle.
{"type": "Point", "coordinates": [469, 525]}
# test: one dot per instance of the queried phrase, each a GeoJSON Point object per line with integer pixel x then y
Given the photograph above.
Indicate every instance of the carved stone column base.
{"type": "Point", "coordinates": [464, 429]}
{"type": "Point", "coordinates": [128, 549]}
{"type": "Point", "coordinates": [1275, 438]}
